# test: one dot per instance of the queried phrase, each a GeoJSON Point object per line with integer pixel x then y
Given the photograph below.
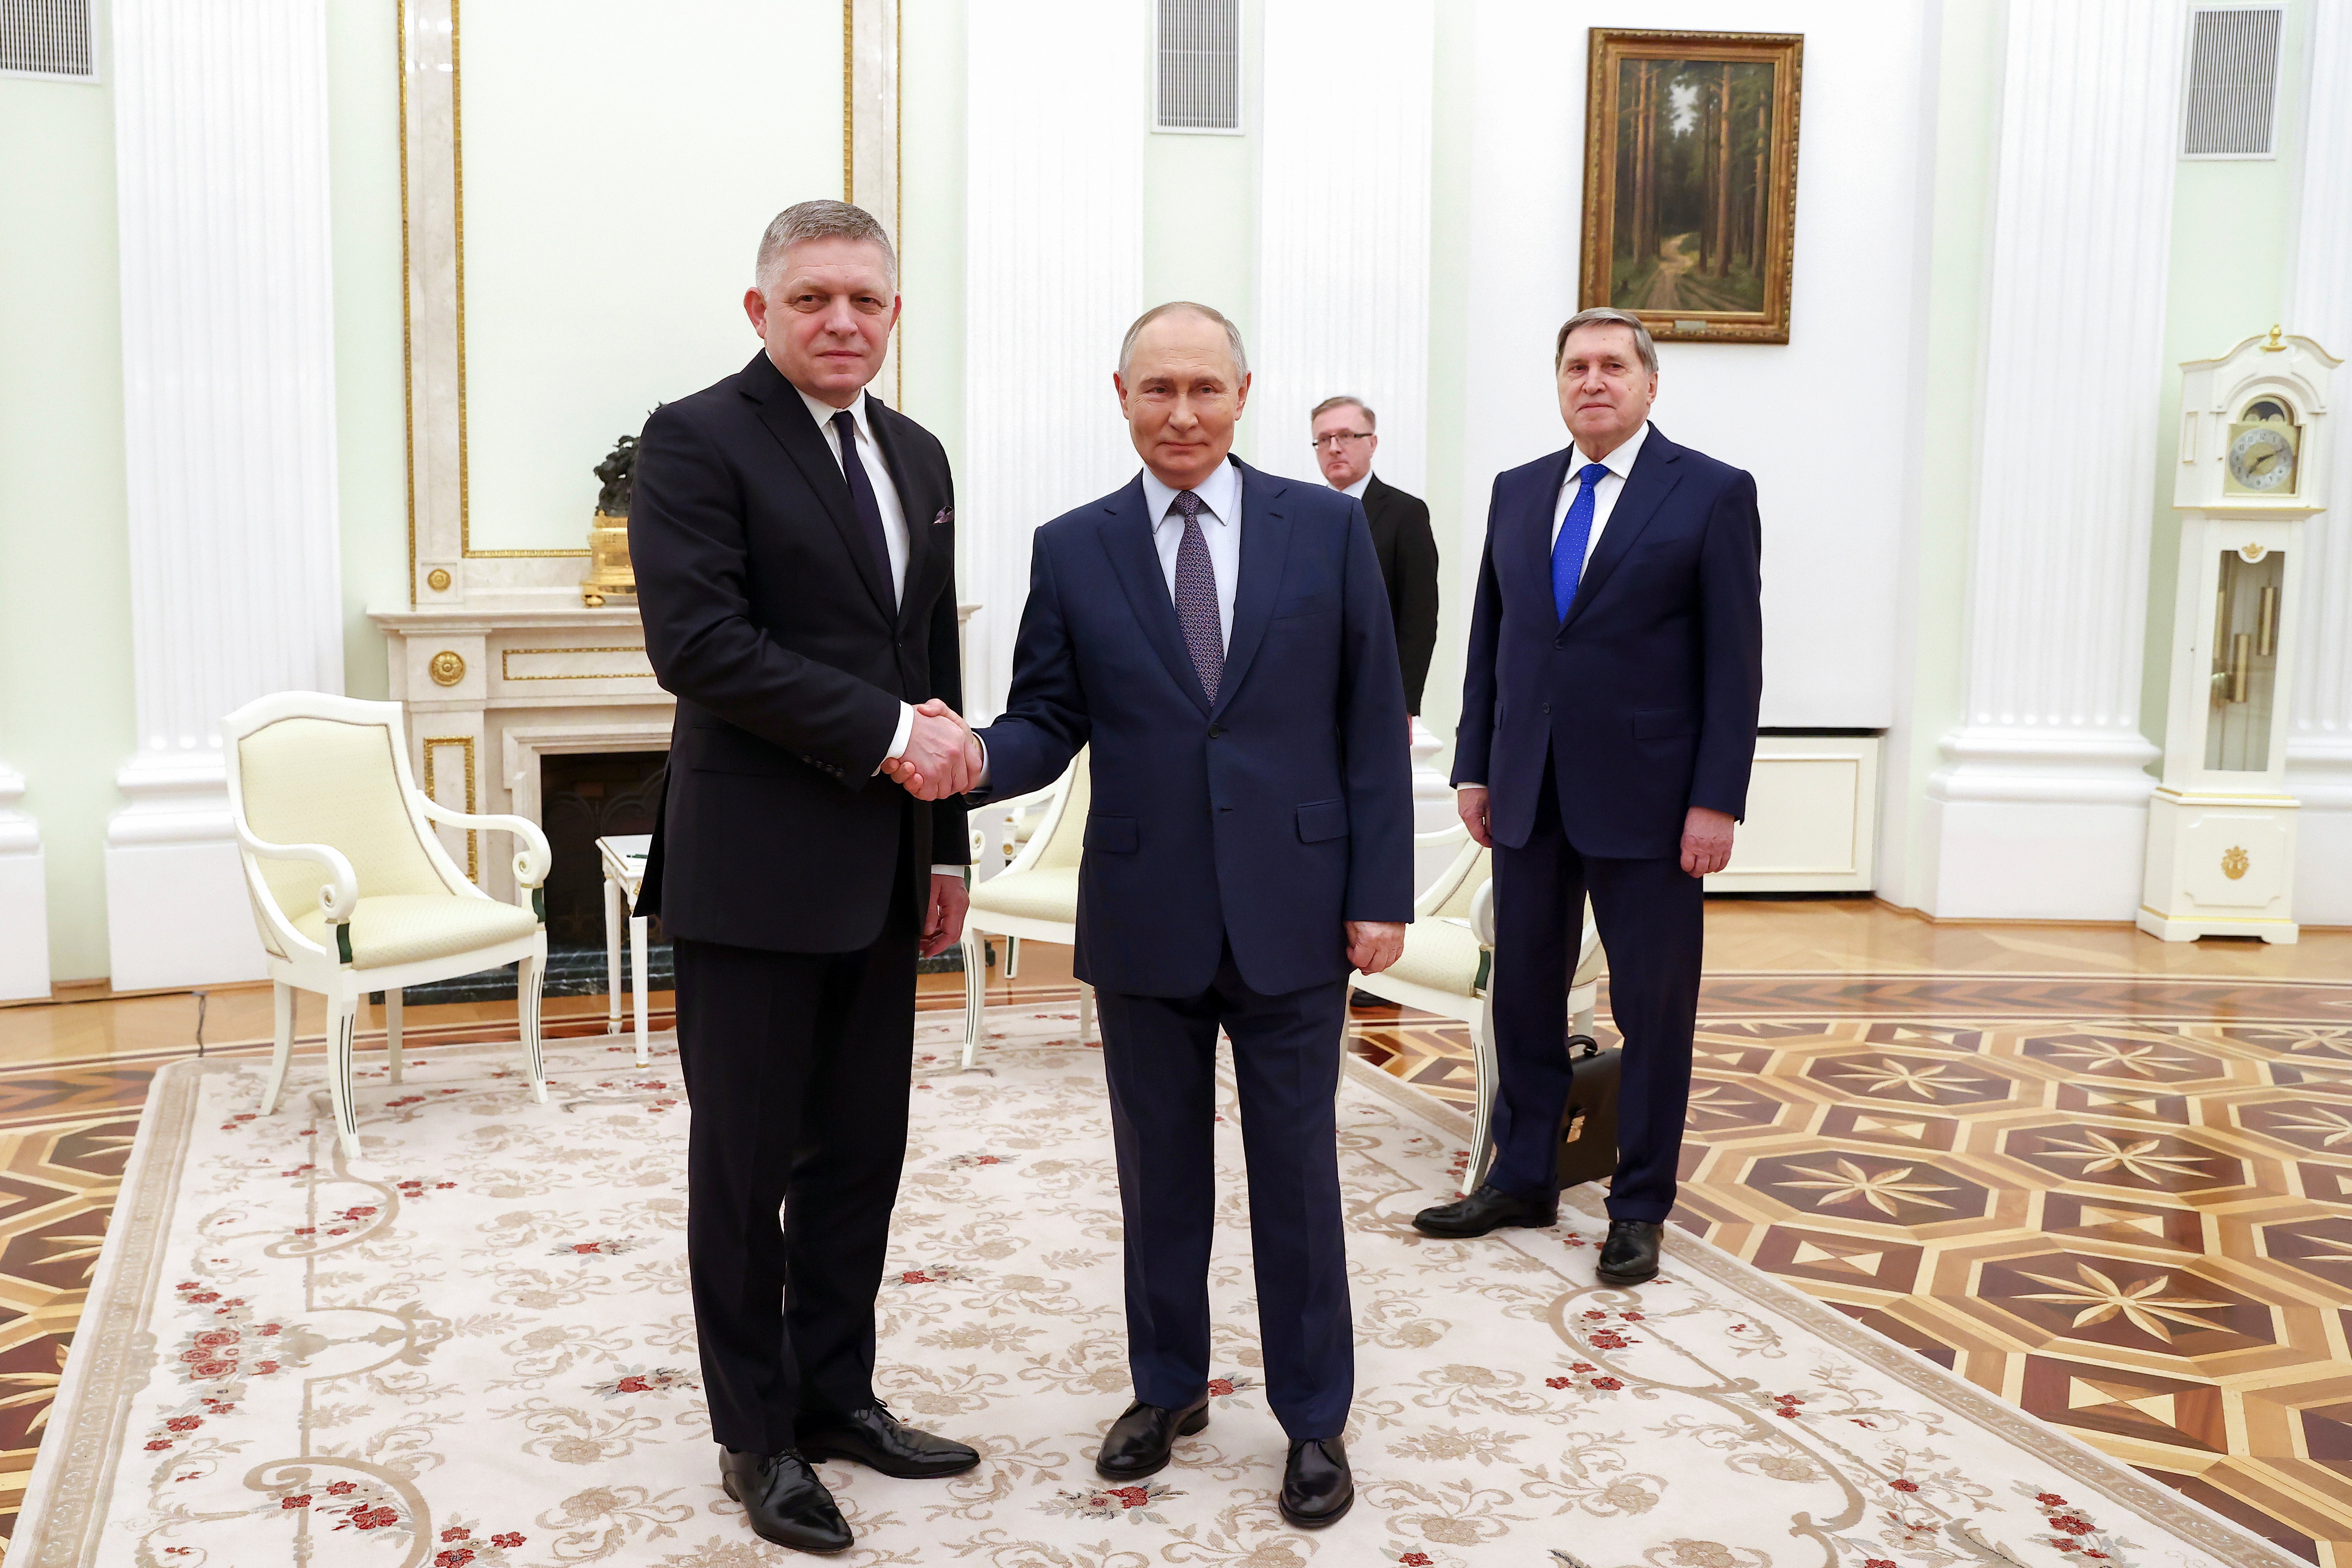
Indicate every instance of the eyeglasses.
{"type": "Point", "coordinates": [1340, 438]}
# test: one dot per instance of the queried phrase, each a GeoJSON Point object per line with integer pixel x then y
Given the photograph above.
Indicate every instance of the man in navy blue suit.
{"type": "Point", "coordinates": [1608, 727]}
{"type": "Point", "coordinates": [1221, 639]}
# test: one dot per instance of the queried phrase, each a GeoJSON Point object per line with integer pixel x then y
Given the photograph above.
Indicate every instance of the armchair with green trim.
{"type": "Point", "coordinates": [322, 783]}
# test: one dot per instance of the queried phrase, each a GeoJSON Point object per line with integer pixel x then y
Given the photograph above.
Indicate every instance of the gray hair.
{"type": "Point", "coordinates": [1601, 315]}
{"type": "Point", "coordinates": [1342, 401]}
{"type": "Point", "coordinates": [1232, 333]}
{"type": "Point", "coordinates": [804, 221]}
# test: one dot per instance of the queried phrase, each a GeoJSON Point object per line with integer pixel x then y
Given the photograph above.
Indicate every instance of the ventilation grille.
{"type": "Point", "coordinates": [47, 37]}
{"type": "Point", "coordinates": [1200, 65]}
{"type": "Point", "coordinates": [2234, 59]}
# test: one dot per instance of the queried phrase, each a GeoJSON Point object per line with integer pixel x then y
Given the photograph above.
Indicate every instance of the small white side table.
{"type": "Point", "coordinates": [625, 873]}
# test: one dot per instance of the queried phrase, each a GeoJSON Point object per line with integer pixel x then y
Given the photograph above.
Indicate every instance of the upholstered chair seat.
{"type": "Point", "coordinates": [416, 928]}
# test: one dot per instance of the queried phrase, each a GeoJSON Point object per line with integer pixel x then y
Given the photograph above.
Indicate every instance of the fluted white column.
{"type": "Point", "coordinates": [229, 429]}
{"type": "Point", "coordinates": [1343, 229]}
{"type": "Point", "coordinates": [2319, 307]}
{"type": "Point", "coordinates": [2041, 808]}
{"type": "Point", "coordinates": [24, 897]}
{"type": "Point", "coordinates": [1056, 105]}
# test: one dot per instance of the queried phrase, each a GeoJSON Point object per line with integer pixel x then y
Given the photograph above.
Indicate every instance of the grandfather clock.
{"type": "Point", "coordinates": [2221, 827]}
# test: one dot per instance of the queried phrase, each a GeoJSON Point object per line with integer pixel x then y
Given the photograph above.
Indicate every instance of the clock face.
{"type": "Point", "coordinates": [2262, 458]}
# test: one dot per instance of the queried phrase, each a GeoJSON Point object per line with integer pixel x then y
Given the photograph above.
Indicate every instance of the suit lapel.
{"type": "Point", "coordinates": [915, 500]}
{"type": "Point", "coordinates": [1126, 530]}
{"type": "Point", "coordinates": [1265, 547]}
{"type": "Point", "coordinates": [1533, 546]}
{"type": "Point", "coordinates": [1655, 473]}
{"type": "Point", "coordinates": [787, 419]}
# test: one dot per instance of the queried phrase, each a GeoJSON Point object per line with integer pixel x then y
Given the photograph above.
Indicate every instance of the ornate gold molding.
{"type": "Point", "coordinates": [506, 669]}
{"type": "Point", "coordinates": [446, 667]}
{"type": "Point", "coordinates": [473, 845]}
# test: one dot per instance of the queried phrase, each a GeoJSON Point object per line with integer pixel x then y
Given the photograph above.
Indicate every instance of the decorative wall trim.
{"type": "Point", "coordinates": [2039, 809]}
{"type": "Point", "coordinates": [871, 33]}
{"type": "Point", "coordinates": [229, 442]}
{"type": "Point", "coordinates": [2319, 737]}
{"type": "Point", "coordinates": [1053, 275]}
{"type": "Point", "coordinates": [507, 671]}
{"type": "Point", "coordinates": [1343, 263]}
{"type": "Point", "coordinates": [433, 298]}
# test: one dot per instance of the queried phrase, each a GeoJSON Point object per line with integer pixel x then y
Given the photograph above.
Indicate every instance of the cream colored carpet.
{"type": "Point", "coordinates": [473, 1348]}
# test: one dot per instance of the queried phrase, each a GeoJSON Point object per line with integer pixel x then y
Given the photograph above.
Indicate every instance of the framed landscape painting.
{"type": "Point", "coordinates": [1690, 181]}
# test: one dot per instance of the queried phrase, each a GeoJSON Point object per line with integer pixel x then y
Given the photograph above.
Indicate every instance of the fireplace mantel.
{"type": "Point", "coordinates": [490, 692]}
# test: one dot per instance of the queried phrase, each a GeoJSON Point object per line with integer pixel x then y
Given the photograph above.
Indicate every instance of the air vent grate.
{"type": "Point", "coordinates": [48, 38]}
{"type": "Point", "coordinates": [1200, 65]}
{"type": "Point", "coordinates": [2233, 61]}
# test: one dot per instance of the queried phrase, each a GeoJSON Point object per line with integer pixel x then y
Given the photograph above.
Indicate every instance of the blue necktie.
{"type": "Point", "coordinates": [1575, 533]}
{"type": "Point", "coordinates": [861, 493]}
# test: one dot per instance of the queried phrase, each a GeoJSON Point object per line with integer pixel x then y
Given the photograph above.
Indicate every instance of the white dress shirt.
{"type": "Point", "coordinates": [1619, 463]}
{"type": "Point", "coordinates": [894, 533]}
{"type": "Point", "coordinates": [1221, 530]}
{"type": "Point", "coordinates": [1360, 487]}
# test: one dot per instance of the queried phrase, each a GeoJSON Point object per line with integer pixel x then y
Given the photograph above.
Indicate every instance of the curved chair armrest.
{"type": "Point", "coordinates": [337, 897]}
{"type": "Point", "coordinates": [1452, 833]}
{"type": "Point", "coordinates": [1482, 915]}
{"type": "Point", "coordinates": [531, 862]}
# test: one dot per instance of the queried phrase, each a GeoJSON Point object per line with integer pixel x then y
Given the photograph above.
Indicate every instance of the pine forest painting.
{"type": "Point", "coordinates": [1690, 184]}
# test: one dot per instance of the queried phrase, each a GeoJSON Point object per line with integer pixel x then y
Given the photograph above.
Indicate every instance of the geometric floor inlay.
{"type": "Point", "coordinates": [2138, 1227]}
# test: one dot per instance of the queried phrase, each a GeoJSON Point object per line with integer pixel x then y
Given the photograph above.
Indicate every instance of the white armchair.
{"type": "Point", "coordinates": [1447, 969]}
{"type": "Point", "coordinates": [320, 783]}
{"type": "Point", "coordinates": [1035, 895]}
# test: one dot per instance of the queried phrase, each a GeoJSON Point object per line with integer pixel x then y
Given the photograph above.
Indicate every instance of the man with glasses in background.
{"type": "Point", "coordinates": [1345, 439]}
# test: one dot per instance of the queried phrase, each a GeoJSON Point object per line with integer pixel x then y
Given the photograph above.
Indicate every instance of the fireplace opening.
{"type": "Point", "coordinates": [584, 797]}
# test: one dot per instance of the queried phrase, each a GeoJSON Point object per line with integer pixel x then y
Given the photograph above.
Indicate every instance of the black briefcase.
{"type": "Point", "coordinates": [1587, 1124]}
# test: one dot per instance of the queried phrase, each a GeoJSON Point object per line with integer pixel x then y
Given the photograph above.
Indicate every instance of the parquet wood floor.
{"type": "Point", "coordinates": [2108, 1177]}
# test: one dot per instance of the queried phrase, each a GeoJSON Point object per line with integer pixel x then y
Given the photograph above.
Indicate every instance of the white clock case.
{"type": "Point", "coordinates": [2220, 842]}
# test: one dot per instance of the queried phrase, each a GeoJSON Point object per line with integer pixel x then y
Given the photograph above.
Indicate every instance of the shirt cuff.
{"type": "Point", "coordinates": [898, 742]}
{"type": "Point", "coordinates": [949, 870]}
{"type": "Point", "coordinates": [980, 780]}
{"type": "Point", "coordinates": [1469, 783]}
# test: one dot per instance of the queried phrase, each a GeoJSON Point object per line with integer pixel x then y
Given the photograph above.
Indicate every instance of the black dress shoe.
{"type": "Point", "coordinates": [783, 1500]}
{"type": "Point", "coordinates": [1137, 1444]}
{"type": "Point", "coordinates": [1630, 1256]}
{"type": "Point", "coordinates": [1488, 1208]}
{"type": "Point", "coordinates": [1317, 1487]}
{"type": "Point", "coordinates": [880, 1441]}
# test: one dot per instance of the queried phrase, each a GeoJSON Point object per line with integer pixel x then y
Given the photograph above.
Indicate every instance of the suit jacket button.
{"type": "Point", "coordinates": [1547, 707]}
{"type": "Point", "coordinates": [1217, 732]}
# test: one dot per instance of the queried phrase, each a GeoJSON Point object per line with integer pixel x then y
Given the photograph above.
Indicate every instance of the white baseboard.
{"type": "Point", "coordinates": [2036, 861]}
{"type": "Point", "coordinates": [24, 924]}
{"type": "Point", "coordinates": [177, 915]}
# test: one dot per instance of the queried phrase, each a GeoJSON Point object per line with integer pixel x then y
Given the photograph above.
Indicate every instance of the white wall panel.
{"type": "Point", "coordinates": [1817, 420]}
{"type": "Point", "coordinates": [1343, 229]}
{"type": "Point", "coordinates": [229, 442]}
{"type": "Point", "coordinates": [2041, 809]}
{"type": "Point", "coordinates": [2319, 306]}
{"type": "Point", "coordinates": [1059, 99]}
{"type": "Point", "coordinates": [24, 897]}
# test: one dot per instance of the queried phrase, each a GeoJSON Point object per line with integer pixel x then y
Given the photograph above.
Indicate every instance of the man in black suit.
{"type": "Point", "coordinates": [1608, 727]}
{"type": "Point", "coordinates": [1346, 435]}
{"type": "Point", "coordinates": [1217, 636]}
{"type": "Point", "coordinates": [795, 547]}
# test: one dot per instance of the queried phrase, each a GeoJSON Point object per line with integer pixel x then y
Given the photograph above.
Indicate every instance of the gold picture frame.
{"type": "Point", "coordinates": [1690, 181]}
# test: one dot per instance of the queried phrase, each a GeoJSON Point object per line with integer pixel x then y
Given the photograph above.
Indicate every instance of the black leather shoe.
{"type": "Point", "coordinates": [1488, 1208]}
{"type": "Point", "coordinates": [880, 1441]}
{"type": "Point", "coordinates": [1137, 1444]}
{"type": "Point", "coordinates": [783, 1500]}
{"type": "Point", "coordinates": [1630, 1256]}
{"type": "Point", "coordinates": [1317, 1487]}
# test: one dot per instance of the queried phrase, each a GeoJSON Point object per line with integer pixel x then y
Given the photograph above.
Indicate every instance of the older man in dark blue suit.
{"type": "Point", "coordinates": [1608, 727]}
{"type": "Point", "coordinates": [1221, 639]}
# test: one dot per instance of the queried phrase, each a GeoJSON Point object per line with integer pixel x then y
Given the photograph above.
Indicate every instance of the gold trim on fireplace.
{"type": "Point", "coordinates": [466, 745]}
{"type": "Point", "coordinates": [506, 671]}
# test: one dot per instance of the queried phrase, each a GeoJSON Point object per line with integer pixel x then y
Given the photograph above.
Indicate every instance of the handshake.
{"type": "Point", "coordinates": [942, 757]}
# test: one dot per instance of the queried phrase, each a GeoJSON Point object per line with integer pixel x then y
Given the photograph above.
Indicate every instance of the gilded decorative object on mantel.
{"type": "Point", "coordinates": [610, 575]}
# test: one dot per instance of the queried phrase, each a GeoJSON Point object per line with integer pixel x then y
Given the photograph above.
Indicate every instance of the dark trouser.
{"type": "Point", "coordinates": [1160, 1054]}
{"type": "Point", "coordinates": [1652, 919]}
{"type": "Point", "coordinates": [797, 1068]}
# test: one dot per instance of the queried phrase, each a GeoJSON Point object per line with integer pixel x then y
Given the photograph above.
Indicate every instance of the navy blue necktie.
{"type": "Point", "coordinates": [1575, 533]}
{"type": "Point", "coordinates": [861, 495]}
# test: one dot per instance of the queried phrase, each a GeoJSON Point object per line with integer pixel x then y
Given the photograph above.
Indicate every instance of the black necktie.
{"type": "Point", "coordinates": [861, 495]}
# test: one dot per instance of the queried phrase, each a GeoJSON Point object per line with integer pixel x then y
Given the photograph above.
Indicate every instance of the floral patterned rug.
{"type": "Point", "coordinates": [473, 1348]}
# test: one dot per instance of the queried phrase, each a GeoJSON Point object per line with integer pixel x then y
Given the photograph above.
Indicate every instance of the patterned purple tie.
{"type": "Point", "coordinates": [1196, 598]}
